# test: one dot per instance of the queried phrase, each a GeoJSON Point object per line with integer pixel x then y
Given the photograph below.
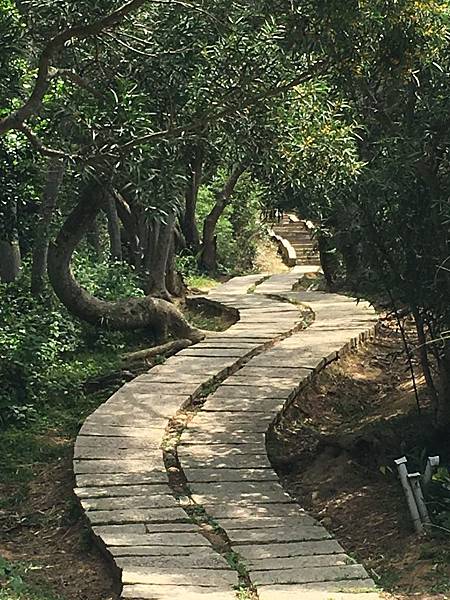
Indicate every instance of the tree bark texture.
{"type": "Point", "coordinates": [156, 314]}
{"type": "Point", "coordinates": [10, 261]}
{"type": "Point", "coordinates": [115, 240]}
{"type": "Point", "coordinates": [189, 221]}
{"type": "Point", "coordinates": [10, 254]}
{"type": "Point", "coordinates": [55, 174]}
{"type": "Point", "coordinates": [156, 282]}
{"type": "Point", "coordinates": [208, 255]}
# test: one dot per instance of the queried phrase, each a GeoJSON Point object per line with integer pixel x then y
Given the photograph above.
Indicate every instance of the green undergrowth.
{"type": "Point", "coordinates": [15, 583]}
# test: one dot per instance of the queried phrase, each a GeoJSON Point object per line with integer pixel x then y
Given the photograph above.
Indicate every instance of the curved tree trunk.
{"type": "Point", "coordinates": [55, 174]}
{"type": "Point", "coordinates": [157, 314]}
{"type": "Point", "coordinates": [208, 255]}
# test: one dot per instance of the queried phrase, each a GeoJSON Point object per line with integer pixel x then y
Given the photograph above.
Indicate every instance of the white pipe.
{"type": "Point", "coordinates": [414, 480]}
{"type": "Point", "coordinates": [432, 465]}
{"type": "Point", "coordinates": [414, 511]}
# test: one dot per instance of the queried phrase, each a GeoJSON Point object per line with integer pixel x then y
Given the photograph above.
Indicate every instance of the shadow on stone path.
{"type": "Point", "coordinates": [122, 482]}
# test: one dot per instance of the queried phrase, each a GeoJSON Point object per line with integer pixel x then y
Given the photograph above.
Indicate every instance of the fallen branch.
{"type": "Point", "coordinates": [164, 350]}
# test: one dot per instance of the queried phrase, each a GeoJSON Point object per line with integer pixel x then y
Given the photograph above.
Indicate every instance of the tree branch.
{"type": "Point", "coordinates": [57, 43]}
{"type": "Point", "coordinates": [38, 144]}
{"type": "Point", "coordinates": [210, 116]}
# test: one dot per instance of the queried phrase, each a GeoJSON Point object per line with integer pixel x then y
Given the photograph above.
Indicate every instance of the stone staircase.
{"type": "Point", "coordinates": [298, 234]}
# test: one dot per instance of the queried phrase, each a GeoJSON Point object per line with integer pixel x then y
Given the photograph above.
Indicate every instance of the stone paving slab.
{"type": "Point", "coordinates": [311, 575]}
{"type": "Point", "coordinates": [162, 552]}
{"type": "Point", "coordinates": [324, 591]}
{"type": "Point", "coordinates": [157, 539]}
{"type": "Point", "coordinates": [182, 577]}
{"type": "Point", "coordinates": [174, 592]}
{"type": "Point", "coordinates": [182, 563]}
{"type": "Point", "coordinates": [302, 533]}
{"type": "Point", "coordinates": [204, 475]}
{"type": "Point", "coordinates": [120, 488]}
{"type": "Point", "coordinates": [298, 562]}
{"type": "Point", "coordinates": [287, 550]}
{"type": "Point", "coordinates": [143, 528]}
{"type": "Point", "coordinates": [229, 437]}
{"type": "Point", "coordinates": [136, 515]}
{"type": "Point", "coordinates": [134, 465]}
{"type": "Point", "coordinates": [147, 433]}
{"type": "Point", "coordinates": [127, 502]}
{"type": "Point", "coordinates": [112, 482]}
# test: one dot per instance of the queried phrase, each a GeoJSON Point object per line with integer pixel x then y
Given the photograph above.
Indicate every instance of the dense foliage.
{"type": "Point", "coordinates": [140, 139]}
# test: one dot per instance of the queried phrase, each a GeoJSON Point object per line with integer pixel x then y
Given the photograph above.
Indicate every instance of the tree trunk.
{"type": "Point", "coordinates": [423, 356]}
{"type": "Point", "coordinates": [208, 255]}
{"type": "Point", "coordinates": [10, 261]}
{"type": "Point", "coordinates": [128, 219]}
{"type": "Point", "coordinates": [189, 221]}
{"type": "Point", "coordinates": [442, 413]}
{"type": "Point", "coordinates": [115, 240]}
{"type": "Point", "coordinates": [328, 259]}
{"type": "Point", "coordinates": [10, 255]}
{"type": "Point", "coordinates": [156, 282]}
{"type": "Point", "coordinates": [174, 280]}
{"type": "Point", "coordinates": [55, 174]}
{"type": "Point", "coordinates": [93, 239]}
{"type": "Point", "coordinates": [153, 313]}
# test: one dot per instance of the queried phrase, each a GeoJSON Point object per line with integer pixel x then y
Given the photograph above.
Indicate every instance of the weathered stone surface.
{"type": "Point", "coordinates": [222, 451]}
{"type": "Point", "coordinates": [310, 575]}
{"type": "Point", "coordinates": [246, 509]}
{"type": "Point", "coordinates": [331, 592]}
{"type": "Point", "coordinates": [201, 351]}
{"type": "Point", "coordinates": [126, 502]}
{"type": "Point", "coordinates": [156, 539]}
{"type": "Point", "coordinates": [136, 515]}
{"type": "Point", "coordinates": [182, 577]}
{"type": "Point", "coordinates": [259, 522]}
{"type": "Point", "coordinates": [244, 405]}
{"type": "Point", "coordinates": [182, 563]}
{"type": "Point", "coordinates": [253, 553]}
{"type": "Point", "coordinates": [298, 562]}
{"type": "Point", "coordinates": [362, 587]}
{"type": "Point", "coordinates": [205, 428]}
{"type": "Point", "coordinates": [150, 434]}
{"type": "Point", "coordinates": [273, 534]}
{"type": "Point", "coordinates": [153, 481]}
{"type": "Point", "coordinates": [225, 475]}
{"type": "Point", "coordinates": [115, 443]}
{"type": "Point", "coordinates": [173, 551]}
{"type": "Point", "coordinates": [129, 529]}
{"type": "Point", "coordinates": [166, 527]}
{"type": "Point", "coordinates": [135, 419]}
{"type": "Point", "coordinates": [232, 391]}
{"type": "Point", "coordinates": [176, 592]}
{"type": "Point", "coordinates": [112, 490]}
{"type": "Point", "coordinates": [236, 436]}
{"type": "Point", "coordinates": [229, 418]}
{"type": "Point", "coordinates": [174, 387]}
{"type": "Point", "coordinates": [251, 372]}
{"type": "Point", "coordinates": [133, 465]}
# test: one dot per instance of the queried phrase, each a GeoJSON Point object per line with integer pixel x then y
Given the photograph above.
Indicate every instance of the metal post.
{"type": "Point", "coordinates": [414, 480]}
{"type": "Point", "coordinates": [414, 511]}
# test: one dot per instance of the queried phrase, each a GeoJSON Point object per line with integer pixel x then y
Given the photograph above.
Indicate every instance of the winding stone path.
{"type": "Point", "coordinates": [260, 362]}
